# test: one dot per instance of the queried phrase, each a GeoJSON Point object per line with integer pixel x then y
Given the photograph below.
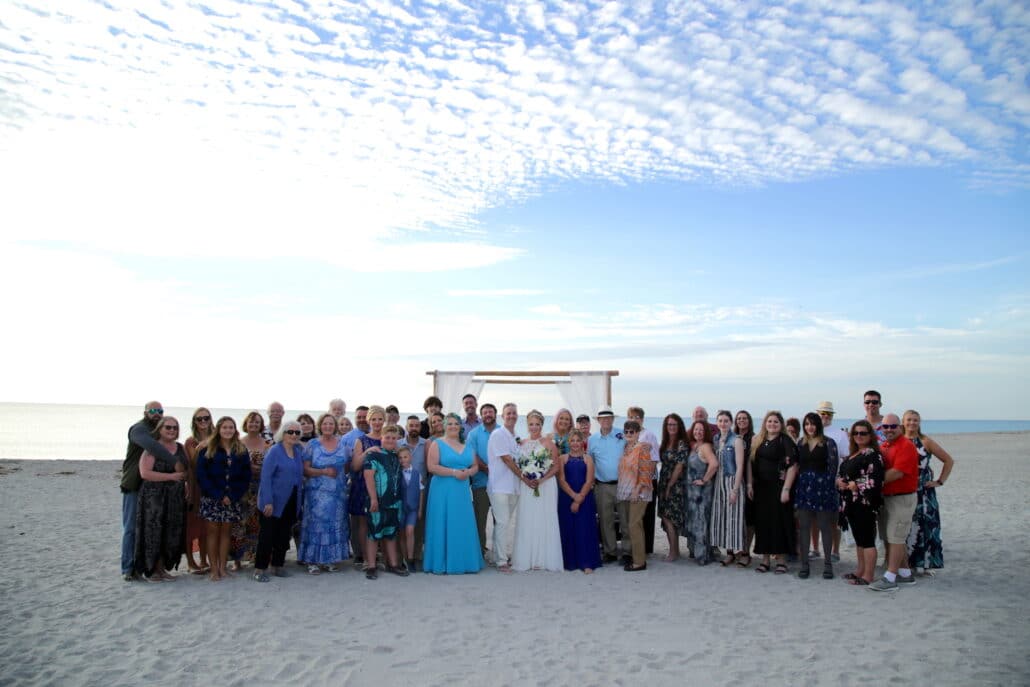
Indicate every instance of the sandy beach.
{"type": "Point", "coordinates": [69, 619]}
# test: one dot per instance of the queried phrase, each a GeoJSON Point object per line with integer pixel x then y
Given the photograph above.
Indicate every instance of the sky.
{"type": "Point", "coordinates": [736, 204]}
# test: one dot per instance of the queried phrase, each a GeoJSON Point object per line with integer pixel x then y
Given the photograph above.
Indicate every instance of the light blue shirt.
{"type": "Point", "coordinates": [479, 437]}
{"type": "Point", "coordinates": [348, 440]}
{"type": "Point", "coordinates": [606, 452]}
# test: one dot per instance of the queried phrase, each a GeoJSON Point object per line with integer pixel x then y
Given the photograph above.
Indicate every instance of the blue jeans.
{"type": "Point", "coordinates": [129, 505]}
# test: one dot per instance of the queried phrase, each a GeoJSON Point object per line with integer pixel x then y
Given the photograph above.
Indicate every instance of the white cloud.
{"type": "Point", "coordinates": [333, 115]}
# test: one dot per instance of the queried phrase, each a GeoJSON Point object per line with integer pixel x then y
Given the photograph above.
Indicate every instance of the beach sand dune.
{"type": "Point", "coordinates": [68, 619]}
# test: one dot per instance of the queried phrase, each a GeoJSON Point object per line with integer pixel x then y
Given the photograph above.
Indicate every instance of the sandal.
{"type": "Point", "coordinates": [744, 561]}
{"type": "Point", "coordinates": [314, 570]}
{"type": "Point", "coordinates": [398, 570]}
{"type": "Point", "coordinates": [803, 573]}
{"type": "Point", "coordinates": [780, 569]}
{"type": "Point", "coordinates": [849, 576]}
{"type": "Point", "coordinates": [371, 573]}
{"type": "Point", "coordinates": [729, 560]}
{"type": "Point", "coordinates": [858, 582]}
{"type": "Point", "coordinates": [762, 568]}
{"type": "Point", "coordinates": [261, 577]}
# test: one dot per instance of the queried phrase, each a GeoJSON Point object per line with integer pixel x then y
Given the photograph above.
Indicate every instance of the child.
{"type": "Point", "coordinates": [385, 484]}
{"type": "Point", "coordinates": [414, 502]}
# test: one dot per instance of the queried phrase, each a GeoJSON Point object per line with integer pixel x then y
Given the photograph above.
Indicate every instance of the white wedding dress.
{"type": "Point", "coordinates": [537, 537]}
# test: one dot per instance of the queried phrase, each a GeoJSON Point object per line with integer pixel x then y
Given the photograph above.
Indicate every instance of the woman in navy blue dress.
{"type": "Point", "coordinates": [815, 497]}
{"type": "Point", "coordinates": [577, 512]}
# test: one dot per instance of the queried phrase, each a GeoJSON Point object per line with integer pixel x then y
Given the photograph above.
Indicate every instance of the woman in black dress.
{"type": "Point", "coordinates": [773, 470]}
{"type": "Point", "coordinates": [161, 517]}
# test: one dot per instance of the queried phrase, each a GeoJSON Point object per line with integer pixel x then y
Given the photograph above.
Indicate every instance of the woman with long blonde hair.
{"type": "Point", "coordinates": [925, 548]}
{"type": "Point", "coordinates": [774, 468]}
{"type": "Point", "coordinates": [223, 473]}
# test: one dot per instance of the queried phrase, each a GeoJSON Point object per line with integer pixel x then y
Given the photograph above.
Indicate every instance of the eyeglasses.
{"type": "Point", "coordinates": [156, 411]}
{"type": "Point", "coordinates": [871, 403]}
{"type": "Point", "coordinates": [202, 418]}
{"type": "Point", "coordinates": [863, 433]}
{"type": "Point", "coordinates": [292, 432]}
{"type": "Point", "coordinates": [895, 426]}
{"type": "Point", "coordinates": [175, 427]}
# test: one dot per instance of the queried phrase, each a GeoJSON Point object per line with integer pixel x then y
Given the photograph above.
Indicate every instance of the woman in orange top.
{"type": "Point", "coordinates": [636, 472]}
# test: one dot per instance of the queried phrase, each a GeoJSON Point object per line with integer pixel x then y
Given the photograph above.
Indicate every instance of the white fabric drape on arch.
{"type": "Point", "coordinates": [451, 386]}
{"type": "Point", "coordinates": [585, 392]}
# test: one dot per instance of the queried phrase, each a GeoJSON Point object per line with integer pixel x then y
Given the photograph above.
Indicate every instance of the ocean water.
{"type": "Point", "coordinates": [89, 432]}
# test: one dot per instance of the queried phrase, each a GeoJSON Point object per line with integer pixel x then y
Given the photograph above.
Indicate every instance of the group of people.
{"type": "Point", "coordinates": [419, 496]}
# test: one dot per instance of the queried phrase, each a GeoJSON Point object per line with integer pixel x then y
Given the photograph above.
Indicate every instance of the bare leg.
{"type": "Point", "coordinates": [409, 541]}
{"type": "Point", "coordinates": [212, 549]}
{"type": "Point", "coordinates": [371, 549]}
{"type": "Point", "coordinates": [223, 550]}
{"type": "Point", "coordinates": [674, 540]}
{"type": "Point", "coordinates": [869, 565]}
{"type": "Point", "coordinates": [391, 552]}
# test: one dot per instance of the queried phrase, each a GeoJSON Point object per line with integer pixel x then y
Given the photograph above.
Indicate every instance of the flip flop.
{"type": "Point", "coordinates": [858, 582]}
{"type": "Point", "coordinates": [849, 576]}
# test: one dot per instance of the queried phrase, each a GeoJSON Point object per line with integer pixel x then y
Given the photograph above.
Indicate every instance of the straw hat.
{"type": "Point", "coordinates": [825, 407]}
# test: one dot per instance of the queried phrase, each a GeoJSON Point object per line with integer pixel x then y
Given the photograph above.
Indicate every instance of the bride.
{"type": "Point", "coordinates": [537, 538]}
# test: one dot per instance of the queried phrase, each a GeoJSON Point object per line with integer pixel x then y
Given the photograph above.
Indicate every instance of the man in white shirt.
{"type": "Point", "coordinates": [503, 483]}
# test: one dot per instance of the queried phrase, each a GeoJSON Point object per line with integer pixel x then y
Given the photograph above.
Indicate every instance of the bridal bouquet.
{"type": "Point", "coordinates": [535, 464]}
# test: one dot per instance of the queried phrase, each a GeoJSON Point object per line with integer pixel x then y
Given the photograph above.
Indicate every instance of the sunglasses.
{"type": "Point", "coordinates": [292, 432]}
{"type": "Point", "coordinates": [156, 411]}
{"type": "Point", "coordinates": [889, 426]}
{"type": "Point", "coordinates": [871, 403]}
{"type": "Point", "coordinates": [629, 431]}
{"type": "Point", "coordinates": [863, 433]}
{"type": "Point", "coordinates": [175, 427]}
{"type": "Point", "coordinates": [202, 418]}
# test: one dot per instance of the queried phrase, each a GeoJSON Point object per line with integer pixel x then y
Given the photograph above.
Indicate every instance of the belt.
{"type": "Point", "coordinates": [614, 481]}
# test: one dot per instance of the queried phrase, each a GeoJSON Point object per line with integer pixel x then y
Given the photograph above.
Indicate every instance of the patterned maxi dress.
{"type": "Point", "coordinates": [925, 548]}
{"type": "Point", "coordinates": [698, 510]}
{"type": "Point", "coordinates": [325, 531]}
{"type": "Point", "coordinates": [161, 518]}
{"type": "Point", "coordinates": [673, 508]}
{"type": "Point", "coordinates": [243, 535]}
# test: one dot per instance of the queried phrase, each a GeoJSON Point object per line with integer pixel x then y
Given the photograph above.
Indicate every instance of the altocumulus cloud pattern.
{"type": "Point", "coordinates": [440, 108]}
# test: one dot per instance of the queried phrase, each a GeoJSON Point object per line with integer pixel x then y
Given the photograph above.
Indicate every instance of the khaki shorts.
{"type": "Point", "coordinates": [897, 516]}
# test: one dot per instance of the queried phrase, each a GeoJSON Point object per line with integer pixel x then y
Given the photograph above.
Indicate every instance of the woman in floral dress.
{"type": "Point", "coordinates": [925, 548]}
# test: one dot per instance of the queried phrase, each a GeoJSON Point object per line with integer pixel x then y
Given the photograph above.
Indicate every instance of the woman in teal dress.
{"type": "Point", "coordinates": [925, 547]}
{"type": "Point", "coordinates": [452, 541]}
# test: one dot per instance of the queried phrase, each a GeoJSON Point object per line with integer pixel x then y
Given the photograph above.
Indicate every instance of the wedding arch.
{"type": "Point", "coordinates": [583, 392]}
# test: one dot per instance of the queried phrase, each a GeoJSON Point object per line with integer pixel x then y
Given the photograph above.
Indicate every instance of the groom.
{"type": "Point", "coordinates": [503, 483]}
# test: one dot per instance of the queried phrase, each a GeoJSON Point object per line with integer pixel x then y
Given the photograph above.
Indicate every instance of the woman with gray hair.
{"type": "Point", "coordinates": [279, 497]}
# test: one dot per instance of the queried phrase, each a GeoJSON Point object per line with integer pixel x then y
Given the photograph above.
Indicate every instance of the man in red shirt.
{"type": "Point", "coordinates": [899, 502]}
